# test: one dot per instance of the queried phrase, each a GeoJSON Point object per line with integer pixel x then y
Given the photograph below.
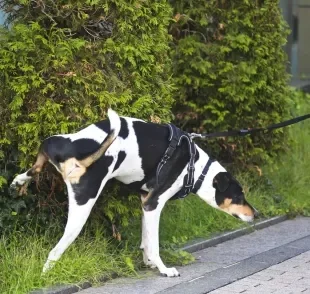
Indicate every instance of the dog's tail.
{"type": "Point", "coordinates": [115, 127]}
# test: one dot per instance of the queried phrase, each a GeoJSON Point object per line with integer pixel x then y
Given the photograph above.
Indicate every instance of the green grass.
{"type": "Point", "coordinates": [291, 175]}
{"type": "Point", "coordinates": [22, 257]}
{"type": "Point", "coordinates": [92, 255]}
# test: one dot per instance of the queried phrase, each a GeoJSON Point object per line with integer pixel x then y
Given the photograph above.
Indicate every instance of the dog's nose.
{"type": "Point", "coordinates": [256, 214]}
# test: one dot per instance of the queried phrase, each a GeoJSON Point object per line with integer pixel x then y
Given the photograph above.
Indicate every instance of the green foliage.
{"type": "Point", "coordinates": [62, 64]}
{"type": "Point", "coordinates": [290, 174]}
{"type": "Point", "coordinates": [230, 71]}
{"type": "Point", "coordinates": [177, 257]}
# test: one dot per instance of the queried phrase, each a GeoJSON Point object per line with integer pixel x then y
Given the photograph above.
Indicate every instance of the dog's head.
{"type": "Point", "coordinates": [229, 197]}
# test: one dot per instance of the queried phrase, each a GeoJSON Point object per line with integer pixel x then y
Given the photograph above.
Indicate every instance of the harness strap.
{"type": "Point", "coordinates": [188, 180]}
{"type": "Point", "coordinates": [175, 138]}
{"type": "Point", "coordinates": [202, 176]}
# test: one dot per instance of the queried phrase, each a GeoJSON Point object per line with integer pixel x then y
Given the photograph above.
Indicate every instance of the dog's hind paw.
{"type": "Point", "coordinates": [20, 184]}
{"type": "Point", "coordinates": [20, 180]}
{"type": "Point", "coordinates": [170, 272]}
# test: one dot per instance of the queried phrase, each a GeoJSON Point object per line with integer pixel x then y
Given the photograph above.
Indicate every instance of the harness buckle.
{"type": "Point", "coordinates": [170, 150]}
{"type": "Point", "coordinates": [195, 135]}
{"type": "Point", "coordinates": [164, 159]}
{"type": "Point", "coordinates": [243, 132]}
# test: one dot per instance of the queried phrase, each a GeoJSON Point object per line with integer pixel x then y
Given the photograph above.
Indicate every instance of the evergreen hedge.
{"type": "Point", "coordinates": [63, 63]}
{"type": "Point", "coordinates": [230, 71]}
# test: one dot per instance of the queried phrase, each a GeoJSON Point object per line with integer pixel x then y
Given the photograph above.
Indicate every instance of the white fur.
{"type": "Point", "coordinates": [77, 216]}
{"type": "Point", "coordinates": [131, 168]}
{"type": "Point", "coordinates": [245, 218]}
{"type": "Point", "coordinates": [21, 180]}
{"type": "Point", "coordinates": [150, 231]}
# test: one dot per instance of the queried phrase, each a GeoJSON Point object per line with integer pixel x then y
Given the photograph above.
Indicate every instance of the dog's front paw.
{"type": "Point", "coordinates": [47, 266]}
{"type": "Point", "coordinates": [170, 272]}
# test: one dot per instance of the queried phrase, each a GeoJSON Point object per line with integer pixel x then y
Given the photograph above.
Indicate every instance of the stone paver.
{"type": "Point", "coordinates": [234, 259]}
{"type": "Point", "coordinates": [290, 276]}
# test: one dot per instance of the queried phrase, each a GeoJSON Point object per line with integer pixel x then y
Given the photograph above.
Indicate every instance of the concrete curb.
{"type": "Point", "coordinates": [192, 247]}
{"type": "Point", "coordinates": [196, 246]}
{"type": "Point", "coordinates": [70, 289]}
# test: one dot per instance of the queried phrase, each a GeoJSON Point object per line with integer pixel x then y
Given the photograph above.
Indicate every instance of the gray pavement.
{"type": "Point", "coordinates": [273, 260]}
{"type": "Point", "coordinates": [290, 276]}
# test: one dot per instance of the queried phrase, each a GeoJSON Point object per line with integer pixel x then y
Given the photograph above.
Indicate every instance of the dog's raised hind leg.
{"type": "Point", "coordinates": [24, 178]}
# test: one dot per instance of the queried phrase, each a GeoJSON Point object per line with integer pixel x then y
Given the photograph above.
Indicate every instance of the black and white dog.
{"type": "Point", "coordinates": [130, 150]}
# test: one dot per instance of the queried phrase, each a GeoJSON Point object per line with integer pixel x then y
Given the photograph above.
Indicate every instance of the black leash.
{"type": "Point", "coordinates": [244, 132]}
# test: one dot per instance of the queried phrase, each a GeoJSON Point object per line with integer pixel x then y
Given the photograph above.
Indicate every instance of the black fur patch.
{"type": "Point", "coordinates": [60, 149]}
{"type": "Point", "coordinates": [124, 132]}
{"type": "Point", "coordinates": [227, 187]}
{"type": "Point", "coordinates": [84, 147]}
{"type": "Point", "coordinates": [90, 182]}
{"type": "Point", "coordinates": [103, 125]}
{"type": "Point", "coordinates": [152, 141]}
{"type": "Point", "coordinates": [120, 158]}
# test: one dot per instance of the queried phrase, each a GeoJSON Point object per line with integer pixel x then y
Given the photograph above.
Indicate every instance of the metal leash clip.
{"type": "Point", "coordinates": [195, 135]}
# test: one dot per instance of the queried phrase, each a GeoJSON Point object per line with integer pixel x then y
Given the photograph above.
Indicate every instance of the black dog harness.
{"type": "Point", "coordinates": [176, 137]}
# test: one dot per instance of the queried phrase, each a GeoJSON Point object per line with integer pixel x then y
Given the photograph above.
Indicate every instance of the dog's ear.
{"type": "Point", "coordinates": [221, 181]}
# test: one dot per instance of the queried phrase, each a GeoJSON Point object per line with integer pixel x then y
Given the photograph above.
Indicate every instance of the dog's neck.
{"type": "Point", "coordinates": [214, 169]}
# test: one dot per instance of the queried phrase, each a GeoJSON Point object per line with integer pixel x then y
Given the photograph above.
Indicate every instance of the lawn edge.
{"type": "Point", "coordinates": [191, 247]}
{"type": "Point", "coordinates": [194, 246]}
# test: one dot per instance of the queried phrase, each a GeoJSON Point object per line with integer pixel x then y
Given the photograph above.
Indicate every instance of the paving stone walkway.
{"type": "Point", "coordinates": [290, 276]}
{"type": "Point", "coordinates": [272, 260]}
